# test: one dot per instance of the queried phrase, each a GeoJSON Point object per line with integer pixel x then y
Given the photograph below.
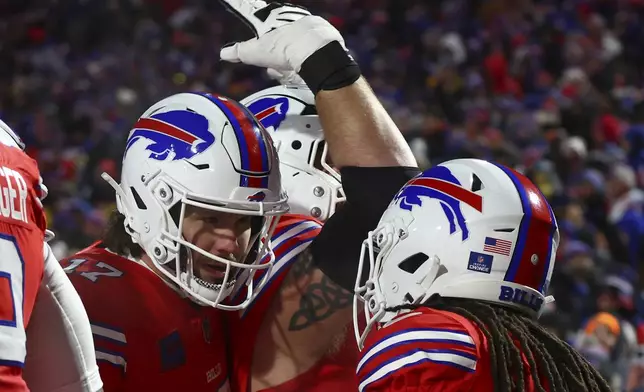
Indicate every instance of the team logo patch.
{"type": "Point", "coordinates": [177, 134]}
{"type": "Point", "coordinates": [173, 354]}
{"type": "Point", "coordinates": [259, 196]}
{"type": "Point", "coordinates": [270, 111]}
{"type": "Point", "coordinates": [480, 262]}
{"type": "Point", "coordinates": [440, 184]}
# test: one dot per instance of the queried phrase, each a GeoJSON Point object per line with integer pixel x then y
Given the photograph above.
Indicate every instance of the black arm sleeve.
{"type": "Point", "coordinates": [369, 190]}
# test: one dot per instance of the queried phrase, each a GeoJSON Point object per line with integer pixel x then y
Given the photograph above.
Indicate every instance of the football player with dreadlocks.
{"type": "Point", "coordinates": [457, 273]}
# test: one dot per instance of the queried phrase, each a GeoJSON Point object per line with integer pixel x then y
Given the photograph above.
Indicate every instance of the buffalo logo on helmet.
{"type": "Point", "coordinates": [270, 111]}
{"type": "Point", "coordinates": [259, 196]}
{"type": "Point", "coordinates": [176, 134]}
{"type": "Point", "coordinates": [440, 184]}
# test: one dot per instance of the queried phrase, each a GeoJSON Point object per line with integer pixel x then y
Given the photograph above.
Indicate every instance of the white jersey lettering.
{"type": "Point", "coordinates": [13, 195]}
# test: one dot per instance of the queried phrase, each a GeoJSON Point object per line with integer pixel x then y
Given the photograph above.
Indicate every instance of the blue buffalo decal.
{"type": "Point", "coordinates": [182, 132]}
{"type": "Point", "coordinates": [270, 111]}
{"type": "Point", "coordinates": [440, 184]}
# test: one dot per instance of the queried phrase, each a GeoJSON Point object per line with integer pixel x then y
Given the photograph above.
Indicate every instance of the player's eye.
{"type": "Point", "coordinates": [212, 220]}
{"type": "Point", "coordinates": [244, 222]}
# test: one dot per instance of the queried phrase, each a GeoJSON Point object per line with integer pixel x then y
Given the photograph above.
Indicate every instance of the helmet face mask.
{"type": "Point", "coordinates": [288, 113]}
{"type": "Point", "coordinates": [208, 276]}
{"type": "Point", "coordinates": [212, 161]}
{"type": "Point", "coordinates": [464, 229]}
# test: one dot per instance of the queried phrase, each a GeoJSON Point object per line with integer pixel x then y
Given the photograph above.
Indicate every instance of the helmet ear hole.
{"type": "Point", "coordinates": [137, 199]}
{"type": "Point", "coordinates": [412, 263]}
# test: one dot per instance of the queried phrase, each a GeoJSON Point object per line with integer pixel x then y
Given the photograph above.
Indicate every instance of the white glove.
{"type": "Point", "coordinates": [286, 35]}
{"type": "Point", "coordinates": [286, 78]}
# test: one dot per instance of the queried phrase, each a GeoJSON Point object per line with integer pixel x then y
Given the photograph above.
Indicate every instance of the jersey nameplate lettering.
{"type": "Point", "coordinates": [13, 195]}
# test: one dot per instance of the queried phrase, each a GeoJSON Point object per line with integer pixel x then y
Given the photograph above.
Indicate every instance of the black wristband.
{"type": "Point", "coordinates": [330, 68]}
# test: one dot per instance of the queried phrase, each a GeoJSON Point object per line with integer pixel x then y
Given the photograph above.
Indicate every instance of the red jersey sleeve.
{"type": "Point", "coordinates": [418, 351]}
{"type": "Point", "coordinates": [111, 355]}
{"type": "Point", "coordinates": [22, 229]}
{"type": "Point", "coordinates": [94, 276]}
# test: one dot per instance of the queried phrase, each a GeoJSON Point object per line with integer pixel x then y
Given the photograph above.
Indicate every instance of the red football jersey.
{"type": "Point", "coordinates": [429, 350]}
{"type": "Point", "coordinates": [148, 336]}
{"type": "Point", "coordinates": [22, 233]}
{"type": "Point", "coordinates": [293, 235]}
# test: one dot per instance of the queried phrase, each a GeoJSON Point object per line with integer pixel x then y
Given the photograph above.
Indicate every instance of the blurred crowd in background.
{"type": "Point", "coordinates": [552, 88]}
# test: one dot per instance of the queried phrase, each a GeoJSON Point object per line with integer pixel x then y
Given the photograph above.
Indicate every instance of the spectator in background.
{"type": "Point", "coordinates": [609, 340]}
{"type": "Point", "coordinates": [635, 381]}
{"type": "Point", "coordinates": [625, 214]}
{"type": "Point", "coordinates": [577, 280]}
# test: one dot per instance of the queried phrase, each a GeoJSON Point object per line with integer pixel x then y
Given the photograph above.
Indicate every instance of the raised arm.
{"type": "Point", "coordinates": [358, 130]}
{"type": "Point", "coordinates": [289, 39]}
{"type": "Point", "coordinates": [373, 157]}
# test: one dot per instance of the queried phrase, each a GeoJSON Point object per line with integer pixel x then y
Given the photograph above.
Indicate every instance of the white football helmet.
{"type": "Point", "coordinates": [466, 228]}
{"type": "Point", "coordinates": [314, 188]}
{"type": "Point", "coordinates": [206, 151]}
{"type": "Point", "coordinates": [9, 138]}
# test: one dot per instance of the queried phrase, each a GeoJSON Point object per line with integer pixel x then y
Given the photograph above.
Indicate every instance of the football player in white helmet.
{"type": "Point", "coordinates": [288, 113]}
{"type": "Point", "coordinates": [457, 273]}
{"type": "Point", "coordinates": [197, 202]}
{"type": "Point", "coordinates": [45, 335]}
{"type": "Point", "coordinates": [295, 340]}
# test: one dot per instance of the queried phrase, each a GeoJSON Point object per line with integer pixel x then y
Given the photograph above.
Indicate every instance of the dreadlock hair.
{"type": "Point", "coordinates": [117, 239]}
{"type": "Point", "coordinates": [550, 358]}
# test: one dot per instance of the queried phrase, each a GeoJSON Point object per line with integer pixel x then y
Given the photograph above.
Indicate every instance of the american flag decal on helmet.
{"type": "Point", "coordinates": [495, 245]}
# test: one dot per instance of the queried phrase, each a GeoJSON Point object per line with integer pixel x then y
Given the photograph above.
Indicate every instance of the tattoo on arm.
{"type": "Point", "coordinates": [319, 300]}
